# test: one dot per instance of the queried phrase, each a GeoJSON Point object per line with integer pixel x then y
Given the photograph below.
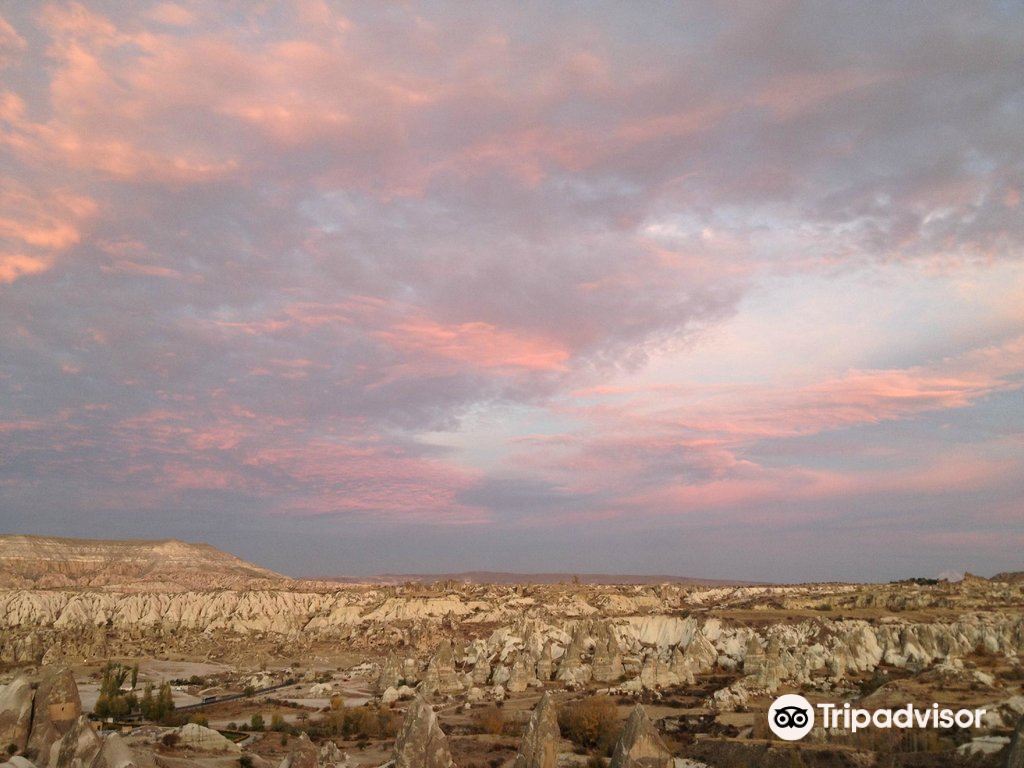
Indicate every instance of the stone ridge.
{"type": "Point", "coordinates": [53, 562]}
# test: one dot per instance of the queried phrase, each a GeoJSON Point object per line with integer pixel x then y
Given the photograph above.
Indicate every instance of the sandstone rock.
{"type": "Point", "coordinates": [539, 747]}
{"type": "Point", "coordinates": [421, 742]}
{"type": "Point", "coordinates": [520, 676]}
{"type": "Point", "coordinates": [607, 662]}
{"type": "Point", "coordinates": [481, 671]}
{"type": "Point", "coordinates": [681, 668]}
{"type": "Point", "coordinates": [303, 754]}
{"type": "Point", "coordinates": [55, 709]}
{"type": "Point", "coordinates": [440, 676]}
{"type": "Point", "coordinates": [545, 664]}
{"type": "Point", "coordinates": [640, 745]}
{"type": "Point", "coordinates": [571, 668]}
{"type": "Point", "coordinates": [77, 748]}
{"type": "Point", "coordinates": [114, 754]}
{"type": "Point", "coordinates": [700, 653]}
{"type": "Point", "coordinates": [15, 713]}
{"type": "Point", "coordinates": [195, 736]}
{"type": "Point", "coordinates": [501, 674]}
{"type": "Point", "coordinates": [391, 673]}
{"type": "Point", "coordinates": [331, 755]}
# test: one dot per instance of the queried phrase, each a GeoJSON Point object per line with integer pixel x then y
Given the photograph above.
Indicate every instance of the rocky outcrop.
{"type": "Point", "coordinates": [55, 709]}
{"type": "Point", "coordinates": [520, 676]}
{"type": "Point", "coordinates": [391, 673]}
{"type": "Point", "coordinates": [700, 654]}
{"type": "Point", "coordinates": [77, 748]}
{"type": "Point", "coordinates": [114, 754]}
{"type": "Point", "coordinates": [15, 714]}
{"type": "Point", "coordinates": [199, 737]}
{"type": "Point", "coordinates": [330, 755]}
{"type": "Point", "coordinates": [481, 671]}
{"type": "Point", "coordinates": [539, 747]}
{"type": "Point", "coordinates": [572, 668]}
{"type": "Point", "coordinates": [421, 742]}
{"type": "Point", "coordinates": [303, 754]}
{"type": "Point", "coordinates": [640, 745]}
{"type": "Point", "coordinates": [607, 662]}
{"type": "Point", "coordinates": [545, 665]}
{"type": "Point", "coordinates": [440, 676]}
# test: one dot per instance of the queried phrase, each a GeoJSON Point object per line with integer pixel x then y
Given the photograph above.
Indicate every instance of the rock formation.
{"type": "Point", "coordinates": [640, 745]}
{"type": "Point", "coordinates": [390, 673]}
{"type": "Point", "coordinates": [76, 749]}
{"type": "Point", "coordinates": [51, 561]}
{"type": "Point", "coordinates": [205, 739]}
{"type": "Point", "coordinates": [421, 742]}
{"type": "Point", "coordinates": [700, 653]}
{"type": "Point", "coordinates": [481, 671]}
{"type": "Point", "coordinates": [440, 676]}
{"type": "Point", "coordinates": [303, 754]}
{"type": "Point", "coordinates": [15, 714]}
{"type": "Point", "coordinates": [55, 709]}
{"type": "Point", "coordinates": [539, 747]}
{"type": "Point", "coordinates": [520, 676]}
{"type": "Point", "coordinates": [545, 664]}
{"type": "Point", "coordinates": [607, 662]}
{"type": "Point", "coordinates": [114, 754]}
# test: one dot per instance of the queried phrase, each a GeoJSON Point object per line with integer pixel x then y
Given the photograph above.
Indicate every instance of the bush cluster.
{"type": "Point", "coordinates": [590, 723]}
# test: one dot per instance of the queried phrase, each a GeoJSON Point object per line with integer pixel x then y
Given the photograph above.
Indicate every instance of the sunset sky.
{"type": "Point", "coordinates": [710, 289]}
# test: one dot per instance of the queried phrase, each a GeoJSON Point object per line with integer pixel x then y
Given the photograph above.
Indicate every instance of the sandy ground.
{"type": "Point", "coordinates": [157, 669]}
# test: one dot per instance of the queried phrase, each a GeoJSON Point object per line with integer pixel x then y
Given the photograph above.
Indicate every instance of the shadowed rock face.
{"type": "Point", "coordinates": [640, 745]}
{"type": "Point", "coordinates": [304, 754]}
{"type": "Point", "coordinates": [15, 713]}
{"type": "Point", "coordinates": [421, 743]}
{"type": "Point", "coordinates": [1015, 753]}
{"type": "Point", "coordinates": [55, 710]}
{"type": "Point", "coordinates": [539, 747]}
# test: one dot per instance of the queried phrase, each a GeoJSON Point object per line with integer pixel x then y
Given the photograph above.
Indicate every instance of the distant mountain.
{"type": "Point", "coordinates": [169, 564]}
{"type": "Point", "coordinates": [504, 577]}
{"type": "Point", "coordinates": [1011, 577]}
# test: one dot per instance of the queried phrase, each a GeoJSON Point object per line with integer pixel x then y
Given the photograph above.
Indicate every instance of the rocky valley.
{"type": "Point", "coordinates": [260, 669]}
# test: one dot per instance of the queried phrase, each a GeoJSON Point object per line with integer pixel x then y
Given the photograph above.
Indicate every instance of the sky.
{"type": "Point", "coordinates": [731, 290]}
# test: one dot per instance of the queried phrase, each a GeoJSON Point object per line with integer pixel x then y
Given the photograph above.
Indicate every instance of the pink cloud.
{"type": "Point", "coordinates": [368, 476]}
{"type": "Point", "coordinates": [12, 45]}
{"type": "Point", "coordinates": [35, 228]}
{"type": "Point", "coordinates": [476, 344]}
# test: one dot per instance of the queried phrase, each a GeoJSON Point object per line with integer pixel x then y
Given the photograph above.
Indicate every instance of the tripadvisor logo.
{"type": "Point", "coordinates": [791, 717]}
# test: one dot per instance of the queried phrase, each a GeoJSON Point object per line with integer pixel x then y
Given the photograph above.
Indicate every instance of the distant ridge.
{"type": "Point", "coordinates": [505, 577]}
{"type": "Point", "coordinates": [169, 564]}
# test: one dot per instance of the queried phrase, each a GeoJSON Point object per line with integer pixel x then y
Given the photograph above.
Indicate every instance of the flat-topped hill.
{"type": "Point", "coordinates": [170, 564]}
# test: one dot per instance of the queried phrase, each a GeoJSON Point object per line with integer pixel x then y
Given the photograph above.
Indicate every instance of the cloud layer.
{"type": "Point", "coordinates": [724, 291]}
